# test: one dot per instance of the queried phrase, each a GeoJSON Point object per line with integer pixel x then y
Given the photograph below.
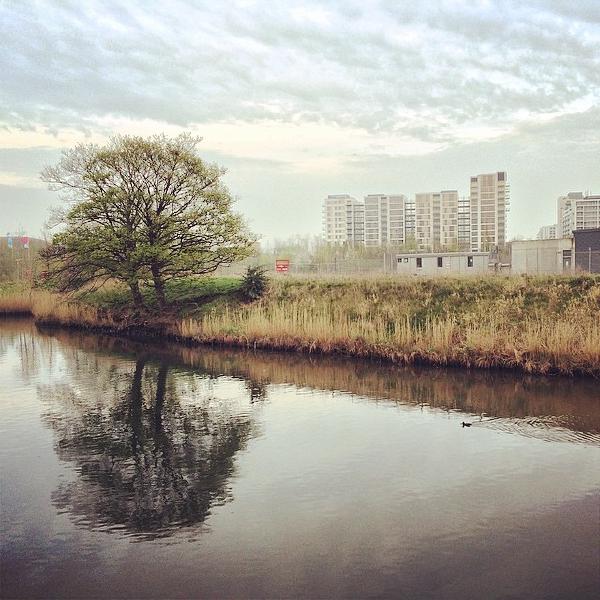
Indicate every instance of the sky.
{"type": "Point", "coordinates": [298, 100]}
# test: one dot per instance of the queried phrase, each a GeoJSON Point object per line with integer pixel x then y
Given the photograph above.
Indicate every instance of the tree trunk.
{"type": "Point", "coordinates": [159, 286]}
{"type": "Point", "coordinates": [161, 387]}
{"type": "Point", "coordinates": [138, 300]}
{"type": "Point", "coordinates": [135, 406]}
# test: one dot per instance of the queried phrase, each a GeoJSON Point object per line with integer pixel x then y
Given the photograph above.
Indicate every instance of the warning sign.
{"type": "Point", "coordinates": [282, 265]}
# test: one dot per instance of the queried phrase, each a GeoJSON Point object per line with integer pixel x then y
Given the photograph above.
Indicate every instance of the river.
{"type": "Point", "coordinates": [140, 469]}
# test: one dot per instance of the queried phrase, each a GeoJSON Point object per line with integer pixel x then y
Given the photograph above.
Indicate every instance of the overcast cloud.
{"type": "Point", "coordinates": [302, 99]}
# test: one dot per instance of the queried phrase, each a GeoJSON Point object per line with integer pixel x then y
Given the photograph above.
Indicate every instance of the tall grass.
{"type": "Point", "coordinates": [15, 299]}
{"type": "Point", "coordinates": [542, 346]}
{"type": "Point", "coordinates": [49, 307]}
{"type": "Point", "coordinates": [538, 325]}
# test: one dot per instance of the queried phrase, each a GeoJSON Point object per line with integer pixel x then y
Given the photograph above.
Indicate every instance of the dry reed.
{"type": "Point", "coordinates": [538, 326]}
{"type": "Point", "coordinates": [15, 300]}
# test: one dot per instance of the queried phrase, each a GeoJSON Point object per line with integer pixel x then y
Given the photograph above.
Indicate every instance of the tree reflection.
{"type": "Point", "coordinates": [146, 462]}
{"type": "Point", "coordinates": [554, 403]}
{"type": "Point", "coordinates": [257, 389]}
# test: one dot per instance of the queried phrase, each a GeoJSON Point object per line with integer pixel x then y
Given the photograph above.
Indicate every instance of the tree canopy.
{"type": "Point", "coordinates": [141, 208]}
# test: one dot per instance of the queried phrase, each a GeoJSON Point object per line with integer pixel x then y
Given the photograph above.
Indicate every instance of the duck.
{"type": "Point", "coordinates": [466, 424]}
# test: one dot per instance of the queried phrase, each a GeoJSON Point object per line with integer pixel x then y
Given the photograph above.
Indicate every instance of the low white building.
{"type": "Point", "coordinates": [443, 263]}
{"type": "Point", "coordinates": [541, 257]}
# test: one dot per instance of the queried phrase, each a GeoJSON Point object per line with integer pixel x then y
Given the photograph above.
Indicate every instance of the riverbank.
{"type": "Point", "coordinates": [543, 325]}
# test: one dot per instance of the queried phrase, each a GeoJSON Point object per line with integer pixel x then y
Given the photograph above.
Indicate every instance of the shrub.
{"type": "Point", "coordinates": [255, 283]}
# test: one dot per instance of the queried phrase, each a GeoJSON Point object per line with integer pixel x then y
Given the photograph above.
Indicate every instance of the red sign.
{"type": "Point", "coordinates": [282, 265]}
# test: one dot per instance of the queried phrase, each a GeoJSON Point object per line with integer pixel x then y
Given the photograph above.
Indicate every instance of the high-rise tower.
{"type": "Point", "coordinates": [489, 200]}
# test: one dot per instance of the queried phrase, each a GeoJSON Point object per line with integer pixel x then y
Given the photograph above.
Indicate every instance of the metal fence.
{"type": "Point", "coordinates": [547, 261]}
{"type": "Point", "coordinates": [587, 261]}
{"type": "Point", "coordinates": [341, 267]}
{"type": "Point", "coordinates": [536, 261]}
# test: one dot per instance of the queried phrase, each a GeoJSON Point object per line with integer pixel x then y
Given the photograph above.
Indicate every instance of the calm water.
{"type": "Point", "coordinates": [139, 470]}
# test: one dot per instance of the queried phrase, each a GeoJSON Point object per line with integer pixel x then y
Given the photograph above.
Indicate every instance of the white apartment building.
{"type": "Point", "coordinates": [343, 220]}
{"type": "Point", "coordinates": [381, 220]}
{"type": "Point", "coordinates": [577, 211]}
{"type": "Point", "coordinates": [409, 221]}
{"type": "Point", "coordinates": [565, 213]}
{"type": "Point", "coordinates": [489, 200]}
{"type": "Point", "coordinates": [587, 212]}
{"type": "Point", "coordinates": [436, 220]}
{"type": "Point", "coordinates": [385, 219]}
{"type": "Point", "coordinates": [464, 223]}
{"type": "Point", "coordinates": [548, 232]}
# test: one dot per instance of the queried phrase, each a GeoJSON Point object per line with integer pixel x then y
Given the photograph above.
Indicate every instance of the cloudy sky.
{"type": "Point", "coordinates": [299, 100]}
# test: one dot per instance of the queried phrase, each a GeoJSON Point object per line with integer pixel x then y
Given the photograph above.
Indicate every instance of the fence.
{"type": "Point", "coordinates": [587, 261]}
{"type": "Point", "coordinates": [341, 267]}
{"type": "Point", "coordinates": [530, 262]}
{"type": "Point", "coordinates": [549, 261]}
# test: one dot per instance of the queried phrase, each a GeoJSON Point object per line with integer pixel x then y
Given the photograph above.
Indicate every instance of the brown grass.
{"type": "Point", "coordinates": [15, 300]}
{"type": "Point", "coordinates": [549, 325]}
{"type": "Point", "coordinates": [536, 346]}
{"type": "Point", "coordinates": [543, 325]}
{"type": "Point", "coordinates": [48, 307]}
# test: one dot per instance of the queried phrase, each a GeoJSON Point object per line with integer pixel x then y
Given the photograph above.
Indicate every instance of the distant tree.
{"type": "Point", "coordinates": [6, 268]}
{"type": "Point", "coordinates": [143, 208]}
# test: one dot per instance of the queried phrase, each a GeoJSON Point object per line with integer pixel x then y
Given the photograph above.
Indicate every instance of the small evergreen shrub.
{"type": "Point", "coordinates": [255, 283]}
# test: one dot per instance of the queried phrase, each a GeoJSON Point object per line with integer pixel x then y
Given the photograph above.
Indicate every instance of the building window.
{"type": "Point", "coordinates": [419, 263]}
{"type": "Point", "coordinates": [406, 259]}
{"type": "Point", "coordinates": [469, 261]}
{"type": "Point", "coordinates": [440, 261]}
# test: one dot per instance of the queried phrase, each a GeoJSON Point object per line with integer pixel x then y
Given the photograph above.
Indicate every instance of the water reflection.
{"type": "Point", "coordinates": [145, 460]}
{"type": "Point", "coordinates": [152, 448]}
{"type": "Point", "coordinates": [557, 409]}
{"type": "Point", "coordinates": [348, 478]}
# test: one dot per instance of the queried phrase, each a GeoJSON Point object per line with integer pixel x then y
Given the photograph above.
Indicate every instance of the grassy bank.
{"type": "Point", "coordinates": [541, 325]}
{"type": "Point", "coordinates": [112, 304]}
{"type": "Point", "coordinates": [15, 299]}
{"type": "Point", "coordinates": [538, 325]}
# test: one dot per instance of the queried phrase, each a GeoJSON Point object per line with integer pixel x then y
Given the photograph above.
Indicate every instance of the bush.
{"type": "Point", "coordinates": [255, 283]}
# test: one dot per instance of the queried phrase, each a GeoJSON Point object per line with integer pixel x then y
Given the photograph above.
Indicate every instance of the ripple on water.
{"type": "Point", "coordinates": [554, 428]}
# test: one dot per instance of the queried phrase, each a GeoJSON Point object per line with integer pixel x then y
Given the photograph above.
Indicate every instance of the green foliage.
{"type": "Point", "coordinates": [19, 263]}
{"type": "Point", "coordinates": [142, 209]}
{"type": "Point", "coordinates": [182, 294]}
{"type": "Point", "coordinates": [12, 287]}
{"type": "Point", "coordinates": [255, 283]}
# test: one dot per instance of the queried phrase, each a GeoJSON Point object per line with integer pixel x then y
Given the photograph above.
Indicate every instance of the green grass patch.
{"type": "Point", "coordinates": [187, 294]}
